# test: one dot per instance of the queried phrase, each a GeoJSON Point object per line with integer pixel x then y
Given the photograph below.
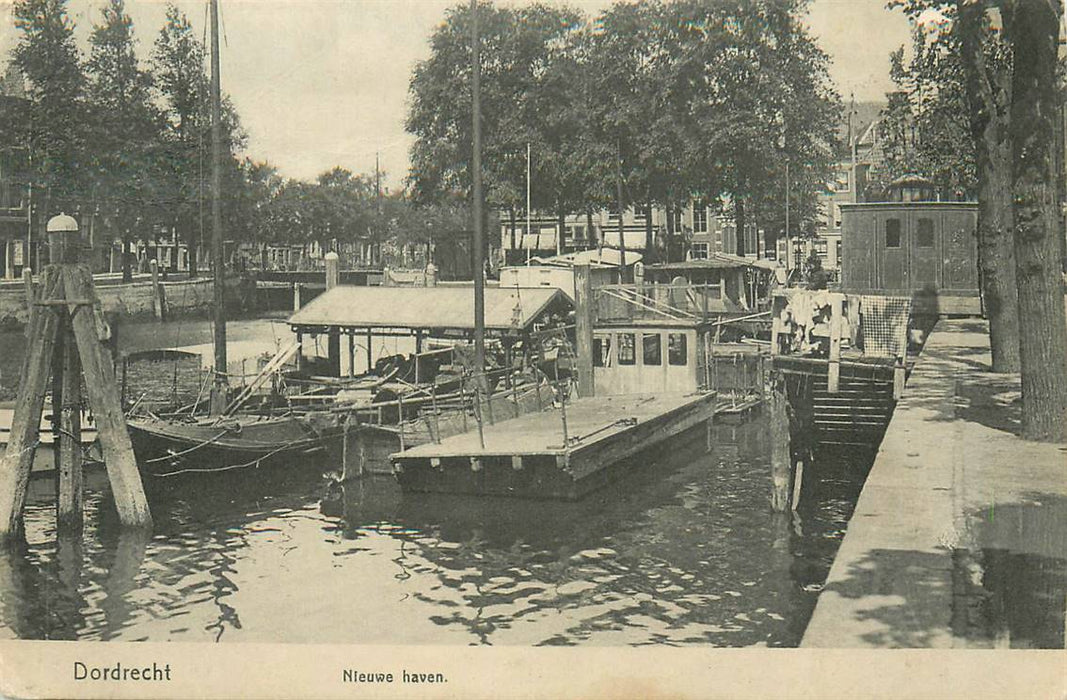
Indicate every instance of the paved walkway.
{"type": "Point", "coordinates": [959, 538]}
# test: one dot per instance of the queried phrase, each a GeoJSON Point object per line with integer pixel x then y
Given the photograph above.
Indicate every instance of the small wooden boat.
{"type": "Point", "coordinates": [170, 446]}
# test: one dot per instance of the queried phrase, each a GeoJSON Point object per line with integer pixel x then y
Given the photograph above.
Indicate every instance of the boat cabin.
{"type": "Point", "coordinates": [741, 283]}
{"type": "Point", "coordinates": [366, 315]}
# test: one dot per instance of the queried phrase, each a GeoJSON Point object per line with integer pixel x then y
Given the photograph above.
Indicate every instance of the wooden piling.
{"type": "Point", "coordinates": [798, 481]}
{"type": "Point", "coordinates": [126, 487]}
{"type": "Point", "coordinates": [31, 298]}
{"type": "Point", "coordinates": [583, 328]}
{"type": "Point", "coordinates": [781, 467]}
{"type": "Point", "coordinates": [26, 422]}
{"type": "Point", "coordinates": [351, 355]}
{"type": "Point", "coordinates": [157, 297]}
{"type": "Point", "coordinates": [370, 356]}
{"type": "Point", "coordinates": [70, 481]}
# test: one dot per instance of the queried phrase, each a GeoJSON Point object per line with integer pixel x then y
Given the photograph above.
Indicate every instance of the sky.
{"type": "Point", "coordinates": [319, 83]}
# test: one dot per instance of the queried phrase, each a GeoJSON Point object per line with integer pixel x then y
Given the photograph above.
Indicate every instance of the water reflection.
{"type": "Point", "coordinates": [683, 550]}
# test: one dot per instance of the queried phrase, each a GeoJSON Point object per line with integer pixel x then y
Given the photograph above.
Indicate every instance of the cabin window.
{"type": "Point", "coordinates": [924, 237]}
{"type": "Point", "coordinates": [677, 352]}
{"type": "Point", "coordinates": [892, 233]}
{"type": "Point", "coordinates": [626, 352]}
{"type": "Point", "coordinates": [602, 351]}
{"type": "Point", "coordinates": [651, 353]}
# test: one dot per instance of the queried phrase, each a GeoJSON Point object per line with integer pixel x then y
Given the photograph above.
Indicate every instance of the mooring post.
{"type": "Point", "coordinates": [90, 332]}
{"type": "Point", "coordinates": [488, 397]}
{"type": "Point", "coordinates": [898, 379]}
{"type": "Point", "coordinates": [834, 370]}
{"type": "Point", "coordinates": [436, 417]}
{"type": "Point", "coordinates": [296, 295]}
{"type": "Point", "coordinates": [478, 412]}
{"type": "Point", "coordinates": [583, 328]}
{"type": "Point", "coordinates": [26, 421]}
{"type": "Point", "coordinates": [68, 446]}
{"type": "Point", "coordinates": [563, 412]}
{"type": "Point", "coordinates": [157, 301]}
{"type": "Point", "coordinates": [781, 467]}
{"type": "Point", "coordinates": [31, 298]}
{"type": "Point", "coordinates": [351, 354]}
{"type": "Point", "coordinates": [71, 311]}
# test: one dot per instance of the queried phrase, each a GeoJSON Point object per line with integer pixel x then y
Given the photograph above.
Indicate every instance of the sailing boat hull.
{"type": "Point", "coordinates": [168, 447]}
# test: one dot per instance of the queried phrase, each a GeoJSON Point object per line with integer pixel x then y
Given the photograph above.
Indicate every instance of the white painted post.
{"type": "Point", "coordinates": [834, 371]}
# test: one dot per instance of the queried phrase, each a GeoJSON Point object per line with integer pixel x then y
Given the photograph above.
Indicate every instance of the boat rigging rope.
{"type": "Point", "coordinates": [172, 455]}
{"type": "Point", "coordinates": [254, 463]}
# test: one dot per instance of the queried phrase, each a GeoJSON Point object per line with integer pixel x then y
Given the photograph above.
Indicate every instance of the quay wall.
{"type": "Point", "coordinates": [957, 539]}
{"type": "Point", "coordinates": [135, 299]}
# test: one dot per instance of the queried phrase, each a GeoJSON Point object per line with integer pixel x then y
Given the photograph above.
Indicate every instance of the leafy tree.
{"type": "Point", "coordinates": [47, 56]}
{"type": "Point", "coordinates": [1032, 28]}
{"type": "Point", "coordinates": [950, 122]}
{"type": "Point", "coordinates": [126, 128]}
{"type": "Point", "coordinates": [178, 61]}
{"type": "Point", "coordinates": [1008, 75]}
{"type": "Point", "coordinates": [986, 63]}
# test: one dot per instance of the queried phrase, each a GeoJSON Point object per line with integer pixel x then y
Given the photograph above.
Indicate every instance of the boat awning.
{"type": "Point", "coordinates": [442, 308]}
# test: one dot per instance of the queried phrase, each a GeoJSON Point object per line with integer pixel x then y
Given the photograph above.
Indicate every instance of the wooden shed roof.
{"type": "Point", "coordinates": [506, 308]}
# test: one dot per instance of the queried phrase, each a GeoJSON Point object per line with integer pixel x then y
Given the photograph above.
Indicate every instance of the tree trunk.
{"type": "Point", "coordinates": [561, 223]}
{"type": "Point", "coordinates": [670, 231]}
{"type": "Point", "coordinates": [989, 96]}
{"type": "Point", "coordinates": [1032, 31]}
{"type": "Point", "coordinates": [127, 263]}
{"type": "Point", "coordinates": [649, 249]}
{"type": "Point", "coordinates": [739, 224]}
{"type": "Point", "coordinates": [589, 229]}
{"type": "Point", "coordinates": [512, 215]}
{"type": "Point", "coordinates": [190, 243]}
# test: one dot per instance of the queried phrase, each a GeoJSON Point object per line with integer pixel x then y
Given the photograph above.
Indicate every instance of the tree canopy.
{"type": "Point", "coordinates": [680, 100]}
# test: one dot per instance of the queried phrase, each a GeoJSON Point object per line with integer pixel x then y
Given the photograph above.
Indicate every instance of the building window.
{"type": "Point", "coordinates": [602, 351]}
{"type": "Point", "coordinates": [651, 352]}
{"type": "Point", "coordinates": [676, 349]}
{"type": "Point", "coordinates": [892, 233]}
{"type": "Point", "coordinates": [676, 213]}
{"type": "Point", "coordinates": [627, 355]}
{"type": "Point", "coordinates": [841, 181]}
{"type": "Point", "coordinates": [700, 217]}
{"type": "Point", "coordinates": [925, 234]}
{"type": "Point", "coordinates": [699, 251]}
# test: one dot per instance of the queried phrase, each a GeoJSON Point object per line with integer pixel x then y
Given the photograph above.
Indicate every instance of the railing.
{"type": "Point", "coordinates": [623, 303]}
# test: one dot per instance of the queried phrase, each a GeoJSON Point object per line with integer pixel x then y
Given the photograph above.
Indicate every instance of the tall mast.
{"type": "Point", "coordinates": [479, 253]}
{"type": "Point", "coordinates": [618, 192]}
{"type": "Point", "coordinates": [218, 395]}
{"type": "Point", "coordinates": [529, 226]}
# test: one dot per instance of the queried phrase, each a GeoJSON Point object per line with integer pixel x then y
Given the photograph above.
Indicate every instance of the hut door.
{"type": "Point", "coordinates": [960, 270]}
{"type": "Point", "coordinates": [924, 248]}
{"type": "Point", "coordinates": [894, 254]}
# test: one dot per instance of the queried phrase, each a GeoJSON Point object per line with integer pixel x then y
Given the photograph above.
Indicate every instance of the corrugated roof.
{"type": "Point", "coordinates": [425, 307]}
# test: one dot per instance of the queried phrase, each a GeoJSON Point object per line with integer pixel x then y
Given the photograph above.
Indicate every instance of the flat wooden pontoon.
{"type": "Point", "coordinates": [528, 456]}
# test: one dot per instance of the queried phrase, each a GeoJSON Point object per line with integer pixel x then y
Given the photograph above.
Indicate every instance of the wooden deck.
{"type": "Point", "coordinates": [528, 456]}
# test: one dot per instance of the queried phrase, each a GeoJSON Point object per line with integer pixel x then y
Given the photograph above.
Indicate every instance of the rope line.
{"type": "Point", "coordinates": [171, 456]}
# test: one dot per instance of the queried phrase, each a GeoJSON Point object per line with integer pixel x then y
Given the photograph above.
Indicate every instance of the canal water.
{"type": "Point", "coordinates": [681, 550]}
